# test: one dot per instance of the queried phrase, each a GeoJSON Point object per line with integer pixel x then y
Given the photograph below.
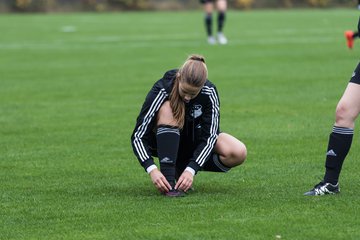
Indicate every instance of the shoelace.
{"type": "Point", "coordinates": [322, 190]}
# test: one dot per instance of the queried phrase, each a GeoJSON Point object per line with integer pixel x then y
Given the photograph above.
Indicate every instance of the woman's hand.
{"type": "Point", "coordinates": [160, 181]}
{"type": "Point", "coordinates": [185, 181]}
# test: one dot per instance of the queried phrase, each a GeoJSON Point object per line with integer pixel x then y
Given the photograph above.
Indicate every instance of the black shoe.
{"type": "Point", "coordinates": [174, 193]}
{"type": "Point", "coordinates": [323, 188]}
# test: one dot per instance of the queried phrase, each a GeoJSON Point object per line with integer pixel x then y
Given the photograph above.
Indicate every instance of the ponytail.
{"type": "Point", "coordinates": [177, 104]}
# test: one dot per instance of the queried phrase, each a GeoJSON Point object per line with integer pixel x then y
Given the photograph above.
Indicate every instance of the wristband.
{"type": "Point", "coordinates": [150, 168]}
{"type": "Point", "coordinates": [189, 169]}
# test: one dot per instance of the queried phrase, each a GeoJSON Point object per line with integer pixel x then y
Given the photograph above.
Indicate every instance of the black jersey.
{"type": "Point", "coordinates": [201, 112]}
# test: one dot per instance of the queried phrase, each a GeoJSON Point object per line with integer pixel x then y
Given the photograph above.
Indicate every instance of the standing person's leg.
{"type": "Point", "coordinates": [341, 137]}
{"type": "Point", "coordinates": [221, 6]}
{"type": "Point", "coordinates": [352, 35]}
{"type": "Point", "coordinates": [208, 9]}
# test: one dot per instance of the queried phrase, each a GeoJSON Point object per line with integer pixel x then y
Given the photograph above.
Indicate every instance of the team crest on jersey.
{"type": "Point", "coordinates": [196, 111]}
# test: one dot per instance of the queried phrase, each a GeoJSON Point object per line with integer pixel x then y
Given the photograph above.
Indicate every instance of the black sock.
{"type": "Point", "coordinates": [168, 138]}
{"type": "Point", "coordinates": [208, 24]}
{"type": "Point", "coordinates": [221, 20]}
{"type": "Point", "coordinates": [339, 145]}
{"type": "Point", "coordinates": [355, 35]}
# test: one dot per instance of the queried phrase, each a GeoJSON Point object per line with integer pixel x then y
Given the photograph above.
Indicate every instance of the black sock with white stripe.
{"type": "Point", "coordinates": [339, 145]}
{"type": "Point", "coordinates": [168, 138]}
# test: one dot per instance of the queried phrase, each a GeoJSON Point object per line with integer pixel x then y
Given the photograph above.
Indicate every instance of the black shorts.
{"type": "Point", "coordinates": [206, 1]}
{"type": "Point", "coordinates": [355, 78]}
{"type": "Point", "coordinates": [188, 143]}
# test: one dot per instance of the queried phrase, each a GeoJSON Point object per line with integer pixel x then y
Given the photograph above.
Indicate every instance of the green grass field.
{"type": "Point", "coordinates": [71, 86]}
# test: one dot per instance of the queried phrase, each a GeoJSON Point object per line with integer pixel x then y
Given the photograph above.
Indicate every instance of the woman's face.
{"type": "Point", "coordinates": [187, 91]}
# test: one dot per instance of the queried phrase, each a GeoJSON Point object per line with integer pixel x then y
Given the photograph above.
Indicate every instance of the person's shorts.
{"type": "Point", "coordinates": [206, 1]}
{"type": "Point", "coordinates": [185, 152]}
{"type": "Point", "coordinates": [355, 78]}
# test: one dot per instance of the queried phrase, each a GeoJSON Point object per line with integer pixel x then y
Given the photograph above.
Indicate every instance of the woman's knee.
{"type": "Point", "coordinates": [232, 150]}
{"type": "Point", "coordinates": [235, 156]}
{"type": "Point", "coordinates": [345, 115]}
{"type": "Point", "coordinates": [240, 153]}
{"type": "Point", "coordinates": [165, 115]}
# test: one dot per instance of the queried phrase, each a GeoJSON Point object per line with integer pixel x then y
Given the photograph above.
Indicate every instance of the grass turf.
{"type": "Point", "coordinates": [71, 86]}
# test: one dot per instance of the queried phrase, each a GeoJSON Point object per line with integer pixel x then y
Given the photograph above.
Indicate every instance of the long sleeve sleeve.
{"type": "Point", "coordinates": [145, 125]}
{"type": "Point", "coordinates": [210, 129]}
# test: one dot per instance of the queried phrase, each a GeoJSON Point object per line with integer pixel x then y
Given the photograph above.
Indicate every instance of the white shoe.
{"type": "Point", "coordinates": [222, 39]}
{"type": "Point", "coordinates": [211, 40]}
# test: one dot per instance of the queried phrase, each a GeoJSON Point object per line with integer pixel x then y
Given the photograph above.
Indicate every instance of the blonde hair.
{"type": "Point", "coordinates": [193, 72]}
